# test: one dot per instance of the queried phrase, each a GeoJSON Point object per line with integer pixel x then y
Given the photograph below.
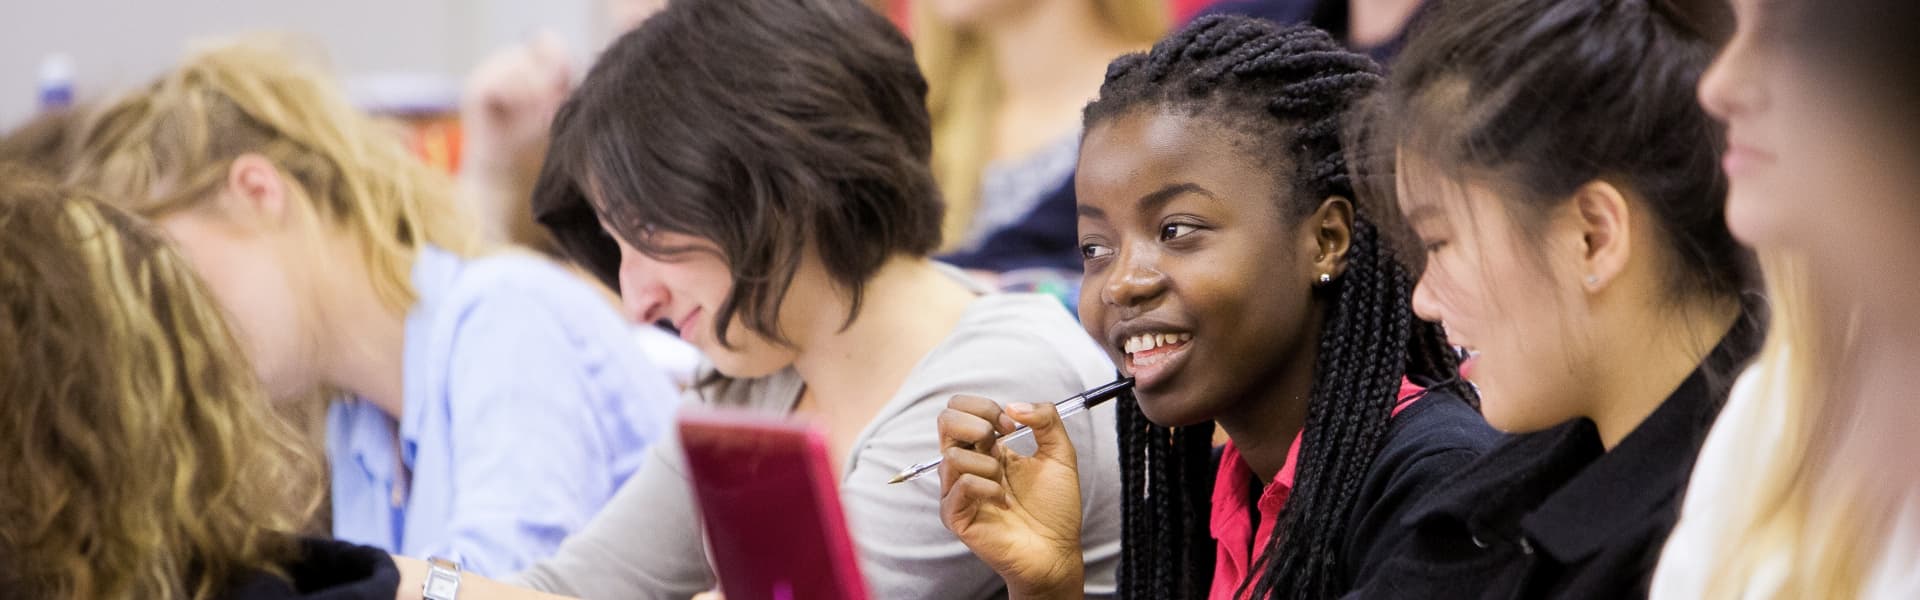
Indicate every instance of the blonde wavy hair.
{"type": "Point", "coordinates": [963, 94]}
{"type": "Point", "coordinates": [169, 147]}
{"type": "Point", "coordinates": [140, 456]}
{"type": "Point", "coordinates": [1804, 521]}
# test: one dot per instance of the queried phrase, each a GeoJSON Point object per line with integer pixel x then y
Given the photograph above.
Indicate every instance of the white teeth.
{"type": "Point", "coordinates": [1149, 341]}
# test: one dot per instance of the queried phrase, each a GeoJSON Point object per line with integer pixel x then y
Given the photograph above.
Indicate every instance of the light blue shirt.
{"type": "Point", "coordinates": [527, 404]}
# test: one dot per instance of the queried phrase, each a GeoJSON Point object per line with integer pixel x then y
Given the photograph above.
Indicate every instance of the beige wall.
{"type": "Point", "coordinates": [115, 44]}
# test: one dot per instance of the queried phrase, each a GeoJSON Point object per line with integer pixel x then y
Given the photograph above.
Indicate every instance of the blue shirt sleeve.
{"type": "Point", "coordinates": [531, 454]}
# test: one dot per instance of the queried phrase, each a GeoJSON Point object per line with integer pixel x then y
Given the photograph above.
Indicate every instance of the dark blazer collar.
{"type": "Point", "coordinates": [1631, 484]}
{"type": "Point", "coordinates": [1565, 491]}
{"type": "Point", "coordinates": [1511, 479]}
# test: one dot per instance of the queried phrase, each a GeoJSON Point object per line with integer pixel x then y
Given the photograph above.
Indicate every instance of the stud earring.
{"type": "Point", "coordinates": [1326, 278]}
{"type": "Point", "coordinates": [1593, 279]}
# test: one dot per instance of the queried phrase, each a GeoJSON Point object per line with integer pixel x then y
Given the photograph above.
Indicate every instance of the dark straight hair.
{"type": "Point", "coordinates": [769, 127]}
{"type": "Point", "coordinates": [1540, 97]}
{"type": "Point", "coordinates": [1289, 89]}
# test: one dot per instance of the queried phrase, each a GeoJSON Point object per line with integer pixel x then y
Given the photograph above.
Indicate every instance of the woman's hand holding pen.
{"type": "Point", "coordinates": [1020, 514]}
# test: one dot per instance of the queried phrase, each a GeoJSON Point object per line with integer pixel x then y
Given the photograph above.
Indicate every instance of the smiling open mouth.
{"type": "Point", "coordinates": [1151, 356]}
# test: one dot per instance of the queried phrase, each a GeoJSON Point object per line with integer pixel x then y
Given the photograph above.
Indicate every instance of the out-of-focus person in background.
{"type": "Point", "coordinates": [141, 458]}
{"type": "Point", "coordinates": [505, 112]}
{"type": "Point", "coordinates": [1377, 28]}
{"type": "Point", "coordinates": [488, 404]}
{"type": "Point", "coordinates": [1007, 80]}
{"type": "Point", "coordinates": [1806, 487]}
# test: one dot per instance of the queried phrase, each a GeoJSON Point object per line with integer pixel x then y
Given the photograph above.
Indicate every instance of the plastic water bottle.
{"type": "Point", "coordinates": [56, 82]}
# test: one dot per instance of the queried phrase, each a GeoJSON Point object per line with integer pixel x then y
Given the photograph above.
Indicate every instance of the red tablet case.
{"type": "Point", "coordinates": [771, 509]}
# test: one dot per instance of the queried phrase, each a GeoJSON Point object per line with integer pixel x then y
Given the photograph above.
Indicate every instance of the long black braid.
{"type": "Point", "coordinates": [1291, 87]}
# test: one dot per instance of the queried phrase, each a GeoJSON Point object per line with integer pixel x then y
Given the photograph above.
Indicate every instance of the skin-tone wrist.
{"type": "Point", "coordinates": [1069, 583]}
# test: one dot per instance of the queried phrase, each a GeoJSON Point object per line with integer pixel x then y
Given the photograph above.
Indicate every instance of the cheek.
{"type": "Point", "coordinates": [1775, 205]}
{"type": "Point", "coordinates": [1093, 315]}
{"type": "Point", "coordinates": [1822, 158]}
{"type": "Point", "coordinates": [1526, 364]}
{"type": "Point", "coordinates": [1452, 291]}
{"type": "Point", "coordinates": [1517, 396]}
{"type": "Point", "coordinates": [257, 300]}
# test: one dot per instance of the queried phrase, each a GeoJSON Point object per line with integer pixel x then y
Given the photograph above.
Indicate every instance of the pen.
{"type": "Point", "coordinates": [1073, 405]}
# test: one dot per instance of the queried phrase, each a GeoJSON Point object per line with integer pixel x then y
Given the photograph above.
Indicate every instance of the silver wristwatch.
{"type": "Point", "coordinates": [443, 580]}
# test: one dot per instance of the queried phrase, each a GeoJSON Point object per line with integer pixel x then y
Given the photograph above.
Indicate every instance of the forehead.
{"type": "Point", "coordinates": [1139, 151]}
{"type": "Point", "coordinates": [1429, 194]}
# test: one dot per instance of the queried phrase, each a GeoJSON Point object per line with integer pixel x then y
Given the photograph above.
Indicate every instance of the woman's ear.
{"type": "Point", "coordinates": [1332, 230]}
{"type": "Point", "coordinates": [255, 194]}
{"type": "Point", "coordinates": [1606, 230]}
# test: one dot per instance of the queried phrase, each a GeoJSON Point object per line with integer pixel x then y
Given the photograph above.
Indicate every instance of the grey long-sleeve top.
{"type": "Point", "coordinates": [647, 542]}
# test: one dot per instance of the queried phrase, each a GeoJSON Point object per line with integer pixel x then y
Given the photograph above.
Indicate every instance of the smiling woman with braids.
{"type": "Point", "coordinates": [1231, 272]}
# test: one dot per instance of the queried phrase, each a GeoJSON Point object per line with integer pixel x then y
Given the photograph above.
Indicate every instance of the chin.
{"type": "Point", "coordinates": [1750, 217]}
{"type": "Point", "coordinates": [1168, 409]}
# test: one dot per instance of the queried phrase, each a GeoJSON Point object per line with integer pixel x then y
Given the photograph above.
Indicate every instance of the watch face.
{"type": "Point", "coordinates": [441, 586]}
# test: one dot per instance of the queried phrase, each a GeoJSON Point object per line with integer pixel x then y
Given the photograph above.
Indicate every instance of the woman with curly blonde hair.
{"type": "Point", "coordinates": [141, 458]}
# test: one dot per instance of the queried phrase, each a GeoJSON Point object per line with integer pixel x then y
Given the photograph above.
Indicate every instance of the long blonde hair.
{"type": "Point", "coordinates": [963, 95]}
{"type": "Point", "coordinates": [140, 457]}
{"type": "Point", "coordinates": [1801, 522]}
{"type": "Point", "coordinates": [169, 147]}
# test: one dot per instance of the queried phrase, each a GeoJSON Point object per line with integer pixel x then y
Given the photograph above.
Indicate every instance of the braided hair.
{"type": "Point", "coordinates": [1290, 88]}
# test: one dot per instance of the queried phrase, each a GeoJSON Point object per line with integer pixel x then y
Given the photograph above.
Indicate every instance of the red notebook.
{"type": "Point", "coordinates": [771, 509]}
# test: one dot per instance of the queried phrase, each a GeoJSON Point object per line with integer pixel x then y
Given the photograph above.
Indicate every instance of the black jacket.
{"type": "Point", "coordinates": [327, 570]}
{"type": "Point", "coordinates": [1552, 514]}
{"type": "Point", "coordinates": [1430, 440]}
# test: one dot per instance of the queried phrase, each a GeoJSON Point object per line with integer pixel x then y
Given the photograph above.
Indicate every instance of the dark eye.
{"type": "Point", "coordinates": [1175, 230]}
{"type": "Point", "coordinates": [1093, 251]}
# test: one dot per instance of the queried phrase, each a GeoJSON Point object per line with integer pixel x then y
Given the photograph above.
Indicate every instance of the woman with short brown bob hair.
{"type": "Point", "coordinates": [755, 172]}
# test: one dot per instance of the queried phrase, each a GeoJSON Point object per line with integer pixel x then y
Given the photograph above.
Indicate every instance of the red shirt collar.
{"type": "Point", "coordinates": [1231, 521]}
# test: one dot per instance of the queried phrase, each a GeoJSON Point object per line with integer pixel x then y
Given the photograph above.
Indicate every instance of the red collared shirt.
{"type": "Point", "coordinates": [1235, 542]}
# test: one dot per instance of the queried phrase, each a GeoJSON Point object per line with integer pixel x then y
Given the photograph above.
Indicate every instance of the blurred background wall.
{"type": "Point", "coordinates": [385, 50]}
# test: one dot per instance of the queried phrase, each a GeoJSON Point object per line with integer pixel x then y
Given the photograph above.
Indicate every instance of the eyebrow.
{"type": "Point", "coordinates": [1151, 202]}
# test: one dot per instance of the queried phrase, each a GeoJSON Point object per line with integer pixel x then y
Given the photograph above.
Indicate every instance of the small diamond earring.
{"type": "Point", "coordinates": [1326, 278]}
{"type": "Point", "coordinates": [1593, 279]}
